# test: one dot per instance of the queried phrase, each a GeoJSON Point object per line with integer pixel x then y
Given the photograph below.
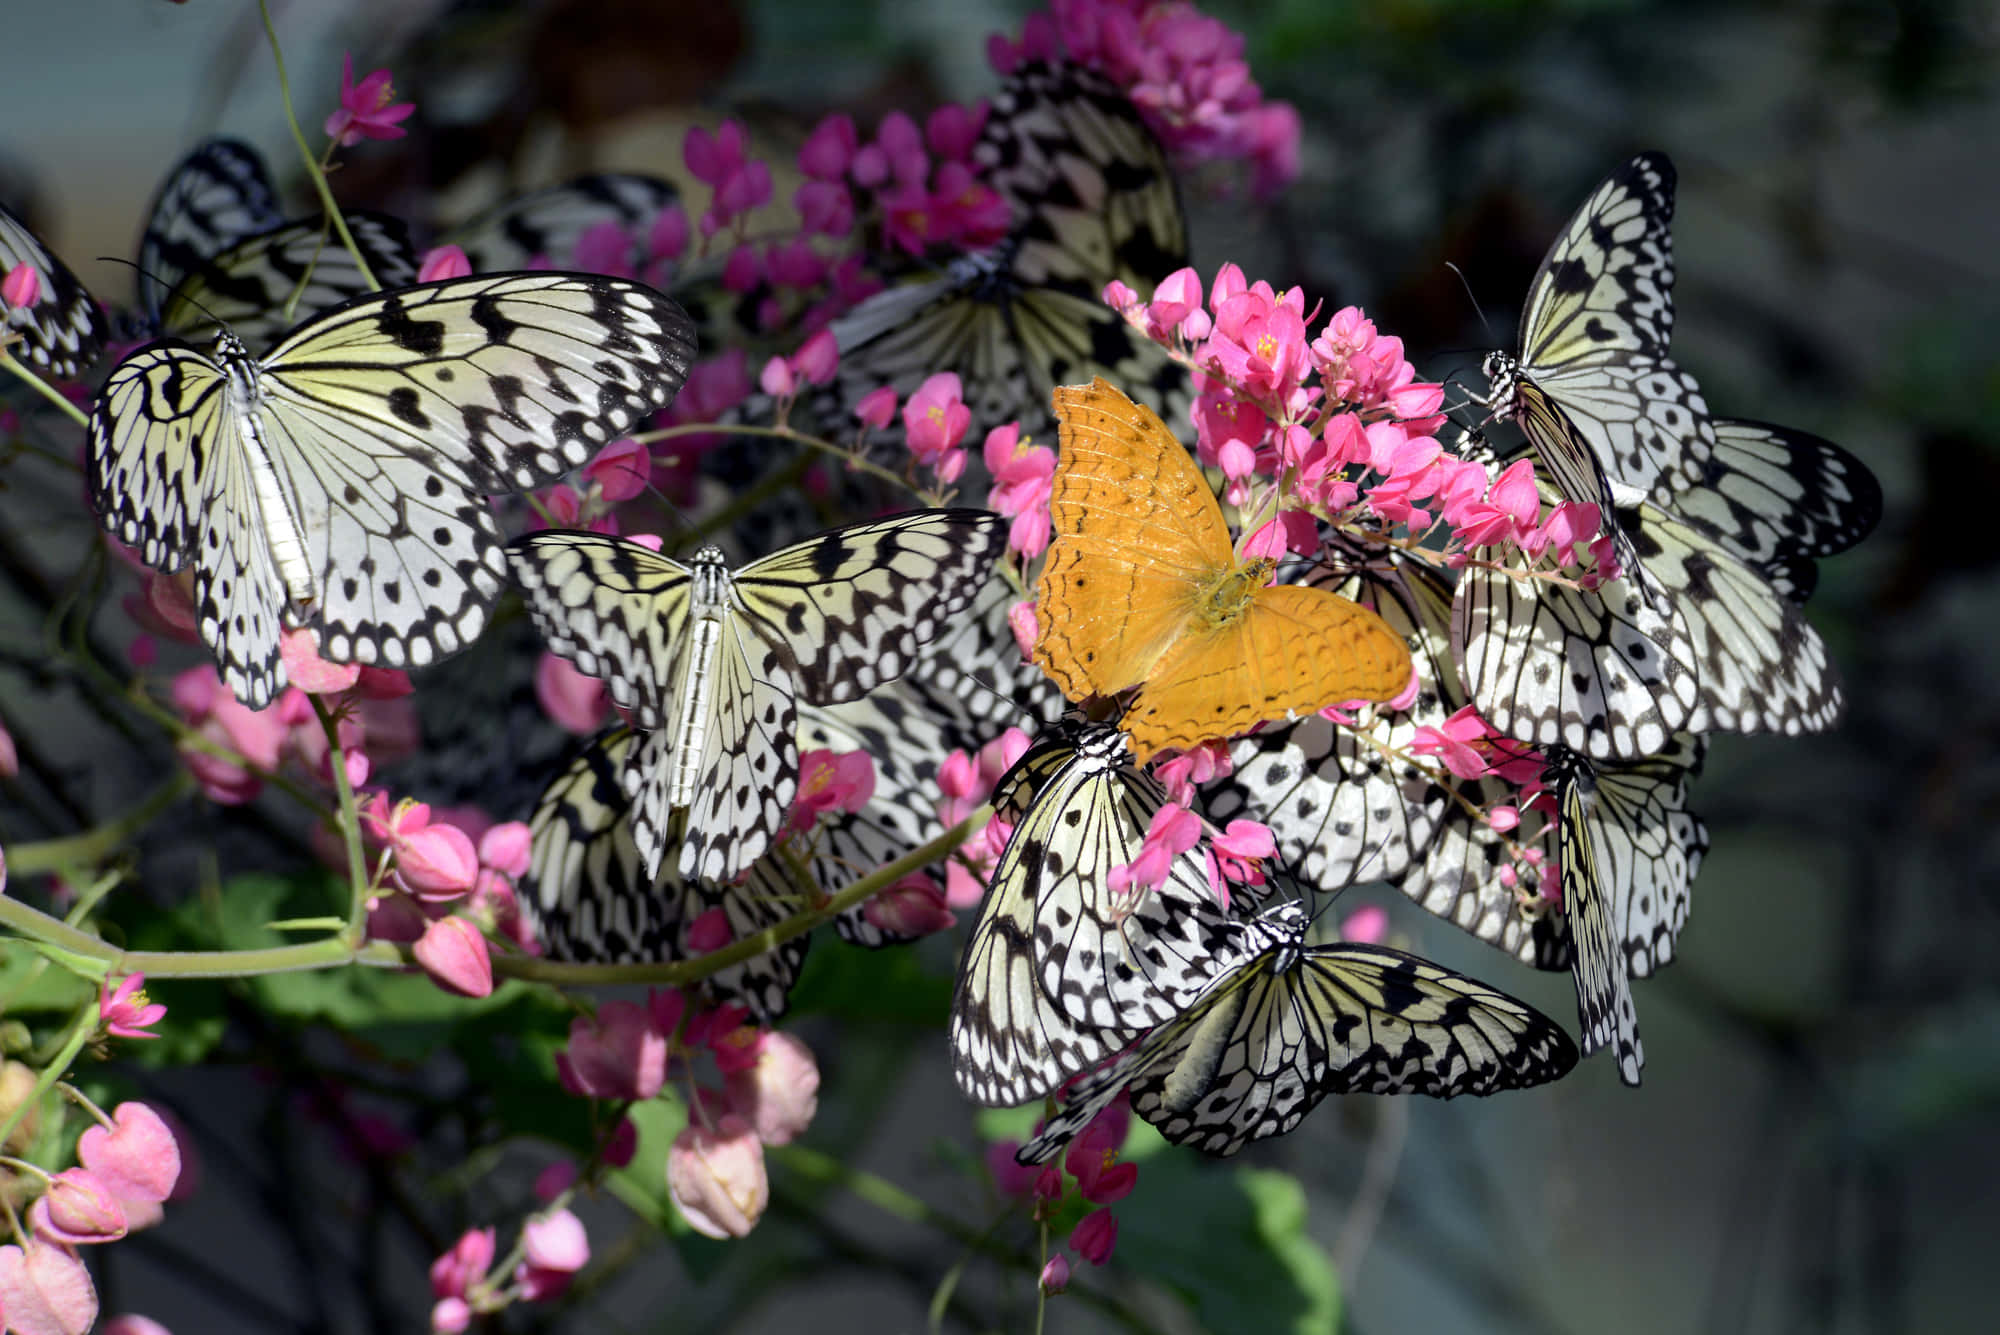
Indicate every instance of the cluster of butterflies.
{"type": "Point", "coordinates": [326, 464]}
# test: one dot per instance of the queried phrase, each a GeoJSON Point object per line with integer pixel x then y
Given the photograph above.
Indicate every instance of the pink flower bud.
{"type": "Point", "coordinates": [912, 907]}
{"type": "Point", "coordinates": [1055, 1275]}
{"type": "Point", "coordinates": [437, 863]}
{"type": "Point", "coordinates": [1095, 1235]}
{"type": "Point", "coordinates": [1368, 926]}
{"type": "Point", "coordinates": [453, 953]}
{"type": "Point", "coordinates": [1503, 818]}
{"type": "Point", "coordinates": [829, 148]}
{"type": "Point", "coordinates": [668, 236]}
{"type": "Point", "coordinates": [454, 1273]}
{"type": "Point", "coordinates": [131, 1324]}
{"type": "Point", "coordinates": [442, 262]}
{"type": "Point", "coordinates": [450, 1316]}
{"type": "Point", "coordinates": [554, 1180]}
{"type": "Point", "coordinates": [1010, 1178]}
{"type": "Point", "coordinates": [621, 470]}
{"type": "Point", "coordinates": [78, 1209]}
{"type": "Point", "coordinates": [620, 1056]}
{"type": "Point", "coordinates": [877, 407]}
{"type": "Point", "coordinates": [780, 1093]}
{"type": "Point", "coordinates": [506, 848]}
{"type": "Point", "coordinates": [818, 357]}
{"type": "Point", "coordinates": [576, 703]}
{"type": "Point", "coordinates": [716, 1177]}
{"type": "Point", "coordinates": [395, 917]}
{"type": "Point", "coordinates": [308, 671]}
{"type": "Point", "coordinates": [46, 1290]}
{"type": "Point", "coordinates": [1027, 628]}
{"type": "Point", "coordinates": [776, 379]}
{"type": "Point", "coordinates": [21, 288]}
{"type": "Point", "coordinates": [621, 1144]}
{"type": "Point", "coordinates": [555, 1241]}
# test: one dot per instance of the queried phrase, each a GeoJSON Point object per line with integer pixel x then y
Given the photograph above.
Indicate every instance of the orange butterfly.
{"type": "Point", "coordinates": [1142, 588]}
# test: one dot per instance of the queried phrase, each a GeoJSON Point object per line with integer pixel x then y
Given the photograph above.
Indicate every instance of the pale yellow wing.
{"type": "Point", "coordinates": [1138, 537]}
{"type": "Point", "coordinates": [1292, 650]}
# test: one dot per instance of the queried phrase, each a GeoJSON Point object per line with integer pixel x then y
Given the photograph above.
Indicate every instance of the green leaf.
{"type": "Point", "coordinates": [1232, 1243]}
{"type": "Point", "coordinates": [855, 983]}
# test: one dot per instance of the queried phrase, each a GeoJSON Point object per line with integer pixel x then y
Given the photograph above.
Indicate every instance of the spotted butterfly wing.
{"type": "Point", "coordinates": [261, 286]}
{"type": "Point", "coordinates": [217, 195]}
{"type": "Point", "coordinates": [713, 660]}
{"type": "Point", "coordinates": [1591, 384]}
{"type": "Point", "coordinates": [1778, 498]}
{"type": "Point", "coordinates": [1291, 1023]}
{"type": "Point", "coordinates": [589, 900]}
{"type": "Point", "coordinates": [335, 483]}
{"type": "Point", "coordinates": [62, 330]}
{"type": "Point", "coordinates": [544, 226]}
{"type": "Point", "coordinates": [1142, 588]}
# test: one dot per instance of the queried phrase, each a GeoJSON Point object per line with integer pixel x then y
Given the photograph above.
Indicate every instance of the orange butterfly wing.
{"type": "Point", "coordinates": [1138, 534]}
{"type": "Point", "coordinates": [1142, 586]}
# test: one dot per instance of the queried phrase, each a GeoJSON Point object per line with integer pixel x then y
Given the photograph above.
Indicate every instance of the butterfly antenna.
{"type": "Point", "coordinates": [1484, 323]}
{"type": "Point", "coordinates": [170, 289]}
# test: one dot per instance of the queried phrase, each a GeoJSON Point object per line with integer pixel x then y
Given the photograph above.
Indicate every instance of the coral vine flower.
{"type": "Point", "coordinates": [366, 110]}
{"type": "Point", "coordinates": [125, 1012]}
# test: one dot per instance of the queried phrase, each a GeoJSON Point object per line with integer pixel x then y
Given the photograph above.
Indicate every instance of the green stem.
{"type": "Point", "coordinates": [692, 971]}
{"type": "Point", "coordinates": [42, 387]}
{"type": "Point", "coordinates": [93, 846]}
{"type": "Point", "coordinates": [312, 163]}
{"type": "Point", "coordinates": [350, 823]}
{"type": "Point", "coordinates": [326, 953]}
{"type": "Point", "coordinates": [81, 1029]}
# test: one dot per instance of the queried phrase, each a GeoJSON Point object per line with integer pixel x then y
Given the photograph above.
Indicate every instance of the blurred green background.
{"type": "Point", "coordinates": [1816, 1146]}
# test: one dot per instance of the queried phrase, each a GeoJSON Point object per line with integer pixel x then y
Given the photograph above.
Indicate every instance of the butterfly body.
{"type": "Point", "coordinates": [278, 521]}
{"type": "Point", "coordinates": [1143, 588]}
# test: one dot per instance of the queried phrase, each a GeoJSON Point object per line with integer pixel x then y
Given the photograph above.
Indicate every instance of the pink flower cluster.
{"type": "Point", "coordinates": [920, 182]}
{"type": "Point", "coordinates": [967, 783]}
{"type": "Point", "coordinates": [768, 1095]}
{"type": "Point", "coordinates": [1023, 480]}
{"type": "Point", "coordinates": [451, 880]}
{"type": "Point", "coordinates": [553, 1248]}
{"type": "Point", "coordinates": [1184, 71]}
{"type": "Point", "coordinates": [129, 1165]}
{"type": "Point", "coordinates": [1091, 1164]}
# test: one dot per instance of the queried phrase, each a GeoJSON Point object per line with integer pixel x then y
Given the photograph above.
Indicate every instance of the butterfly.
{"type": "Point", "coordinates": [712, 661]}
{"type": "Point", "coordinates": [1092, 200]}
{"type": "Point", "coordinates": [1290, 1022]}
{"type": "Point", "coordinates": [62, 330]}
{"type": "Point", "coordinates": [335, 483]}
{"type": "Point", "coordinates": [1627, 850]}
{"type": "Point", "coordinates": [1142, 588]}
{"type": "Point", "coordinates": [218, 194]}
{"type": "Point", "coordinates": [1590, 383]}
{"type": "Point", "coordinates": [544, 226]}
{"type": "Point", "coordinates": [1061, 970]}
{"type": "Point", "coordinates": [1777, 498]}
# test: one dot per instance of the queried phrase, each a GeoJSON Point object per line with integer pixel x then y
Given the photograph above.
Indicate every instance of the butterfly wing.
{"type": "Point", "coordinates": [263, 285]}
{"type": "Point", "coordinates": [1137, 533]}
{"type": "Point", "coordinates": [1647, 846]}
{"type": "Point", "coordinates": [1605, 1015]}
{"type": "Point", "coordinates": [544, 226]}
{"type": "Point", "coordinates": [854, 605]}
{"type": "Point", "coordinates": [218, 194]}
{"type": "Point", "coordinates": [62, 330]}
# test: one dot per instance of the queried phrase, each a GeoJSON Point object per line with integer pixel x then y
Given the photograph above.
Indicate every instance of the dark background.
{"type": "Point", "coordinates": [1814, 1148]}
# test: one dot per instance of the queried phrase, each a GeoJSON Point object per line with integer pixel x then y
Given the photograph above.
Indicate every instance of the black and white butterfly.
{"type": "Point", "coordinates": [1093, 200]}
{"type": "Point", "coordinates": [1590, 384]}
{"type": "Point", "coordinates": [543, 226]}
{"type": "Point", "coordinates": [62, 330]}
{"type": "Point", "coordinates": [713, 661]}
{"type": "Point", "coordinates": [217, 195]}
{"type": "Point", "coordinates": [1627, 849]}
{"type": "Point", "coordinates": [1289, 1022]}
{"type": "Point", "coordinates": [1062, 968]}
{"type": "Point", "coordinates": [336, 482]}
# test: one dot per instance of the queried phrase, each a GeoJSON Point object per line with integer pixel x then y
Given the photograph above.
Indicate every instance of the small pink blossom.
{"type": "Point", "coordinates": [708, 931]}
{"type": "Point", "coordinates": [912, 907]}
{"type": "Point", "coordinates": [308, 671]}
{"type": "Point", "coordinates": [817, 358]}
{"type": "Point", "coordinates": [1094, 1236]}
{"type": "Point", "coordinates": [667, 237]}
{"type": "Point", "coordinates": [779, 1094]}
{"type": "Point", "coordinates": [555, 1241]}
{"type": "Point", "coordinates": [1366, 925]}
{"type": "Point", "coordinates": [458, 1271]}
{"type": "Point", "coordinates": [443, 262]}
{"type": "Point", "coordinates": [1023, 477]}
{"type": "Point", "coordinates": [711, 157]}
{"type": "Point", "coordinates": [78, 1209]}
{"type": "Point", "coordinates": [716, 1177]}
{"type": "Point", "coordinates": [1027, 627]}
{"type": "Point", "coordinates": [1459, 743]}
{"type": "Point", "coordinates": [825, 208]}
{"type": "Point", "coordinates": [877, 407]}
{"type": "Point", "coordinates": [367, 109]}
{"type": "Point", "coordinates": [621, 1144]}
{"type": "Point", "coordinates": [618, 1055]}
{"type": "Point", "coordinates": [1503, 819]}
{"type": "Point", "coordinates": [1174, 830]}
{"type": "Point", "coordinates": [1010, 1178]}
{"type": "Point", "coordinates": [620, 470]}
{"type": "Point", "coordinates": [45, 1289]}
{"type": "Point", "coordinates": [454, 954]}
{"type": "Point", "coordinates": [126, 1013]}
{"type": "Point", "coordinates": [936, 418]}
{"type": "Point", "coordinates": [1055, 1275]}
{"type": "Point", "coordinates": [576, 703]}
{"type": "Point", "coordinates": [132, 1324]}
{"type": "Point", "coordinates": [555, 1179]}
{"type": "Point", "coordinates": [506, 848]}
{"type": "Point", "coordinates": [829, 149]}
{"type": "Point", "coordinates": [22, 287]}
{"type": "Point", "coordinates": [450, 1316]}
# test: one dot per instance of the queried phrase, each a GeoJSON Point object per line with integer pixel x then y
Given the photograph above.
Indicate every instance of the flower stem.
{"type": "Point", "coordinates": [350, 824]}
{"type": "Point", "coordinates": [42, 387]}
{"type": "Point", "coordinates": [81, 1029]}
{"type": "Point", "coordinates": [93, 846]}
{"type": "Point", "coordinates": [306, 153]}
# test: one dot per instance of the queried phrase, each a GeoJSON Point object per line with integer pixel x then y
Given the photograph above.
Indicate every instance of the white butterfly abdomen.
{"type": "Point", "coordinates": [277, 520]}
{"type": "Point", "coordinates": [694, 699]}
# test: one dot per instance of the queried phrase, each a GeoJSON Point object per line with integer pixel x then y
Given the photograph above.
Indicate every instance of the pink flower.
{"type": "Point", "coordinates": [618, 1056]}
{"type": "Point", "coordinates": [78, 1209]}
{"type": "Point", "coordinates": [1027, 627]}
{"type": "Point", "coordinates": [817, 358]}
{"type": "Point", "coordinates": [555, 1247]}
{"type": "Point", "coordinates": [22, 287]}
{"type": "Point", "coordinates": [126, 1013]}
{"type": "Point", "coordinates": [576, 703]}
{"type": "Point", "coordinates": [1502, 819]}
{"type": "Point", "coordinates": [1459, 743]}
{"type": "Point", "coordinates": [605, 248]}
{"type": "Point", "coordinates": [877, 407]}
{"type": "Point", "coordinates": [308, 671]}
{"type": "Point", "coordinates": [1177, 296]}
{"type": "Point", "coordinates": [435, 862]}
{"type": "Point", "coordinates": [506, 848]}
{"type": "Point", "coordinates": [936, 418]}
{"type": "Point", "coordinates": [716, 1177]}
{"type": "Point", "coordinates": [831, 781]}
{"type": "Point", "coordinates": [366, 111]}
{"type": "Point", "coordinates": [1366, 925]}
{"type": "Point", "coordinates": [1022, 486]}
{"type": "Point", "coordinates": [620, 470]}
{"type": "Point", "coordinates": [912, 907]}
{"type": "Point", "coordinates": [829, 149]}
{"type": "Point", "coordinates": [554, 1180]}
{"type": "Point", "coordinates": [454, 1274]}
{"type": "Point", "coordinates": [46, 1290]}
{"type": "Point", "coordinates": [1174, 830]}
{"type": "Point", "coordinates": [621, 1144]}
{"type": "Point", "coordinates": [1234, 854]}
{"type": "Point", "coordinates": [825, 208]}
{"type": "Point", "coordinates": [1094, 1236]}
{"type": "Point", "coordinates": [255, 735]}
{"type": "Point", "coordinates": [667, 238]}
{"type": "Point", "coordinates": [131, 1324]}
{"type": "Point", "coordinates": [1010, 1178]}
{"type": "Point", "coordinates": [779, 1093]}
{"type": "Point", "coordinates": [1055, 1275]}
{"type": "Point", "coordinates": [442, 262]}
{"type": "Point", "coordinates": [137, 1158]}
{"type": "Point", "coordinates": [450, 1316]}
{"type": "Point", "coordinates": [712, 157]}
{"type": "Point", "coordinates": [454, 954]}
